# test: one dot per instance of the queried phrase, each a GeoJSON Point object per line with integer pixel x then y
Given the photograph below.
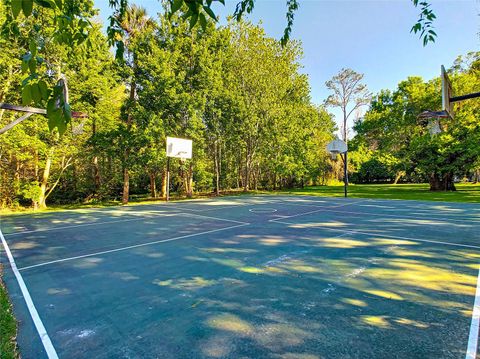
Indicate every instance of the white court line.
{"type": "Point", "coordinates": [144, 218]}
{"type": "Point", "coordinates": [131, 247]}
{"type": "Point", "coordinates": [318, 210]}
{"type": "Point", "coordinates": [383, 236]}
{"type": "Point", "coordinates": [386, 215]}
{"type": "Point", "coordinates": [209, 217]}
{"type": "Point", "coordinates": [90, 224]}
{"type": "Point", "coordinates": [474, 326]}
{"type": "Point", "coordinates": [42, 332]}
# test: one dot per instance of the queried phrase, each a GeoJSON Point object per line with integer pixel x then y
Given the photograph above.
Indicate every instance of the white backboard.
{"type": "Point", "coordinates": [447, 93]}
{"type": "Point", "coordinates": [337, 146]}
{"type": "Point", "coordinates": [179, 147]}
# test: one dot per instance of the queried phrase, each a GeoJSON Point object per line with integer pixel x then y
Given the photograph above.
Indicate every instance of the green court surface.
{"type": "Point", "coordinates": [248, 277]}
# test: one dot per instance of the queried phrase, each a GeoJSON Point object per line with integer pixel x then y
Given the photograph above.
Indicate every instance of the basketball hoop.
{"type": "Point", "coordinates": [29, 111]}
{"type": "Point", "coordinates": [433, 120]}
{"type": "Point", "coordinates": [334, 148]}
{"type": "Point", "coordinates": [333, 155]}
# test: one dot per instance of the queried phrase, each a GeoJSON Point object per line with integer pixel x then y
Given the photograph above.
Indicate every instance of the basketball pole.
{"type": "Point", "coordinates": [345, 172]}
{"type": "Point", "coordinates": [167, 197]}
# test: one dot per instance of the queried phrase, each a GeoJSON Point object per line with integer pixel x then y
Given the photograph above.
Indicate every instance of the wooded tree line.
{"type": "Point", "coordinates": [238, 94]}
{"type": "Point", "coordinates": [392, 144]}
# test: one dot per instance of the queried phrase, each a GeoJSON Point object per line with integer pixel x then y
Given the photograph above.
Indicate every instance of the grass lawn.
{"type": "Point", "coordinates": [419, 192]}
{"type": "Point", "coordinates": [8, 325]}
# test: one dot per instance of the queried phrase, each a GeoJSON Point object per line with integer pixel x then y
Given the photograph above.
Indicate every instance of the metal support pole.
{"type": "Point", "coordinates": [168, 179]}
{"type": "Point", "coordinates": [345, 173]}
{"type": "Point", "coordinates": [465, 97]}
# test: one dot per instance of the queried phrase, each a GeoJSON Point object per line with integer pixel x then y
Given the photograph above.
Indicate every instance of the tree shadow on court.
{"type": "Point", "coordinates": [294, 296]}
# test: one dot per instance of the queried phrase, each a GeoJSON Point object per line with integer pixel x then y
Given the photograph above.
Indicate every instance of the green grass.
{"type": "Point", "coordinates": [420, 192]}
{"type": "Point", "coordinates": [8, 325]}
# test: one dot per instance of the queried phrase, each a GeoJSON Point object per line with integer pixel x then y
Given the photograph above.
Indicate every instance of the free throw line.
{"type": "Point", "coordinates": [474, 326]}
{"type": "Point", "coordinates": [42, 332]}
{"type": "Point", "coordinates": [131, 247]}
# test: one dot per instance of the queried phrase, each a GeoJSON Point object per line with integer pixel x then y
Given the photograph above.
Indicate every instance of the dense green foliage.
{"type": "Point", "coordinates": [60, 22]}
{"type": "Point", "coordinates": [235, 92]}
{"type": "Point", "coordinates": [238, 94]}
{"type": "Point", "coordinates": [393, 143]}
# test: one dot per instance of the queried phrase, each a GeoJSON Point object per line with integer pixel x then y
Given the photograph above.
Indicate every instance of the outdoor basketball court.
{"type": "Point", "coordinates": [248, 277]}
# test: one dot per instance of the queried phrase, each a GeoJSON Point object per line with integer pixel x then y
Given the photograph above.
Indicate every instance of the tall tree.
{"type": "Point", "coordinates": [135, 26]}
{"type": "Point", "coordinates": [349, 95]}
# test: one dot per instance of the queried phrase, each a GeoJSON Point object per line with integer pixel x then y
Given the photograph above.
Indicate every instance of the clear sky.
{"type": "Point", "coordinates": [370, 36]}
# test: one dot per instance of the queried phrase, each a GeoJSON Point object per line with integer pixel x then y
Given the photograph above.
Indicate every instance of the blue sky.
{"type": "Point", "coordinates": [370, 36]}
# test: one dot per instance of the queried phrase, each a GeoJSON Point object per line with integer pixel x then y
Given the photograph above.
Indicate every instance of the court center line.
{"type": "Point", "coordinates": [383, 236]}
{"type": "Point", "coordinates": [89, 224]}
{"type": "Point", "coordinates": [131, 247]}
{"type": "Point", "coordinates": [474, 326]}
{"type": "Point", "coordinates": [42, 332]}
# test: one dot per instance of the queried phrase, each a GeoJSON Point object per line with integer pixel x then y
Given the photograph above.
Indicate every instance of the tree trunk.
{"type": "Point", "coordinates": [189, 181]}
{"type": "Point", "coordinates": [43, 185]}
{"type": "Point", "coordinates": [398, 175]}
{"type": "Point", "coordinates": [217, 169]}
{"type": "Point", "coordinates": [126, 186]}
{"type": "Point", "coordinates": [153, 187]}
{"type": "Point", "coordinates": [442, 183]}
{"type": "Point", "coordinates": [96, 174]}
{"type": "Point", "coordinates": [476, 176]}
{"type": "Point", "coordinates": [164, 183]}
{"type": "Point", "coordinates": [246, 184]}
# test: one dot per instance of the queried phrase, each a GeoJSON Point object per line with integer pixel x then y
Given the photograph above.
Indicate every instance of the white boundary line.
{"type": "Point", "coordinates": [262, 210]}
{"type": "Point", "coordinates": [383, 236]}
{"type": "Point", "coordinates": [42, 332]}
{"type": "Point", "coordinates": [131, 247]}
{"type": "Point", "coordinates": [142, 218]}
{"type": "Point", "coordinates": [209, 217]}
{"type": "Point", "coordinates": [474, 326]}
{"type": "Point", "coordinates": [89, 224]}
{"type": "Point", "coordinates": [315, 211]}
{"type": "Point", "coordinates": [327, 209]}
